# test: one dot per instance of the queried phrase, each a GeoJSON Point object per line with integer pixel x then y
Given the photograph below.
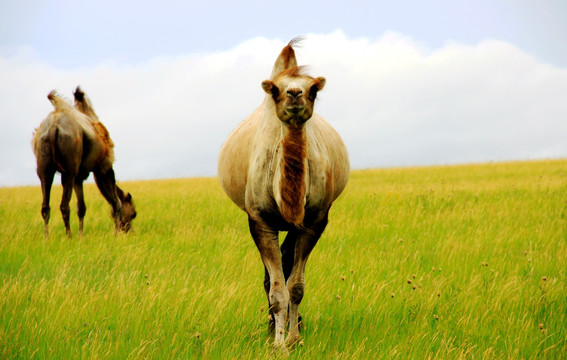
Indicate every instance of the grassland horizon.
{"type": "Point", "coordinates": [434, 262]}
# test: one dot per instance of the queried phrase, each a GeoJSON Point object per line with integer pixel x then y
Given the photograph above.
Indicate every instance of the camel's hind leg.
{"type": "Point", "coordinates": [67, 181]}
{"type": "Point", "coordinates": [81, 207]}
{"type": "Point", "coordinates": [46, 176]}
{"type": "Point", "coordinates": [305, 242]}
{"type": "Point", "coordinates": [266, 240]}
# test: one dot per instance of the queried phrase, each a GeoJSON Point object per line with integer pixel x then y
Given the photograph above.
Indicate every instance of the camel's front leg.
{"type": "Point", "coordinates": [106, 183]}
{"type": "Point", "coordinates": [305, 242]}
{"type": "Point", "coordinates": [271, 321]}
{"type": "Point", "coordinates": [266, 240]}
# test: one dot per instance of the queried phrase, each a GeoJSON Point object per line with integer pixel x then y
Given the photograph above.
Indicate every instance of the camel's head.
{"type": "Point", "coordinates": [294, 93]}
{"type": "Point", "coordinates": [128, 212]}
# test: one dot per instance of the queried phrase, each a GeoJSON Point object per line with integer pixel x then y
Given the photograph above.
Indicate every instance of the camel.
{"type": "Point", "coordinates": [284, 165]}
{"type": "Point", "coordinates": [73, 142]}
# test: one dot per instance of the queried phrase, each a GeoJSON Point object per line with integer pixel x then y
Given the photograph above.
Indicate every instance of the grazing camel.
{"type": "Point", "coordinates": [73, 142]}
{"type": "Point", "coordinates": [284, 166]}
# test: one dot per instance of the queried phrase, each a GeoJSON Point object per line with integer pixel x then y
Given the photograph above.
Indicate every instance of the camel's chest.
{"type": "Point", "coordinates": [270, 188]}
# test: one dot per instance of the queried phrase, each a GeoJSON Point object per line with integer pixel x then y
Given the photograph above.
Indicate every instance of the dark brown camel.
{"type": "Point", "coordinates": [73, 142]}
{"type": "Point", "coordinates": [284, 166]}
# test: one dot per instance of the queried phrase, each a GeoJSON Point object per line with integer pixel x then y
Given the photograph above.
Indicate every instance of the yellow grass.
{"type": "Point", "coordinates": [416, 263]}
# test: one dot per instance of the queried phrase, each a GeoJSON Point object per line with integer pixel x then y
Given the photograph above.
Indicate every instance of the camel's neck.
{"type": "Point", "coordinates": [106, 183]}
{"type": "Point", "coordinates": [279, 166]}
{"type": "Point", "coordinates": [293, 168]}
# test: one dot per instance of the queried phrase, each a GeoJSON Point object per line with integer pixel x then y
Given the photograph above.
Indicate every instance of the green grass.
{"type": "Point", "coordinates": [438, 263]}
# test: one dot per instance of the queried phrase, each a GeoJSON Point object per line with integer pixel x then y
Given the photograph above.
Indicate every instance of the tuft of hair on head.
{"type": "Point", "coordinates": [294, 71]}
{"type": "Point", "coordinates": [296, 41]}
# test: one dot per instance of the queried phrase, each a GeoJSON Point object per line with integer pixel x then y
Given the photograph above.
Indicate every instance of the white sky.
{"type": "Point", "coordinates": [410, 83]}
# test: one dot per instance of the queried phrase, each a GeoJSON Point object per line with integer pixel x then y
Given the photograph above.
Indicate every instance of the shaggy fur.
{"type": "Point", "coordinates": [294, 147]}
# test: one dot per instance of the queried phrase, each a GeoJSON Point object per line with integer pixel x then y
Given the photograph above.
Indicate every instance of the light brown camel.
{"type": "Point", "coordinates": [284, 166]}
{"type": "Point", "coordinates": [73, 142]}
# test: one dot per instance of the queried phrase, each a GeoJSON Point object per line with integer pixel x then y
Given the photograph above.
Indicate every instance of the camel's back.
{"type": "Point", "coordinates": [69, 136]}
{"type": "Point", "coordinates": [58, 126]}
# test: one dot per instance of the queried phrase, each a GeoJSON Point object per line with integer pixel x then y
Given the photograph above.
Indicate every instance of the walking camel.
{"type": "Point", "coordinates": [73, 142]}
{"type": "Point", "coordinates": [284, 166]}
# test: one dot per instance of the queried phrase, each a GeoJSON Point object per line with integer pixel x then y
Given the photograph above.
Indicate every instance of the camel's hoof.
{"type": "Point", "coordinates": [293, 340]}
{"type": "Point", "coordinates": [280, 351]}
{"type": "Point", "coordinates": [272, 323]}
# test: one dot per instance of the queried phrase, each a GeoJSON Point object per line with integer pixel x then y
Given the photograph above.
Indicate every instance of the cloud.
{"type": "Point", "coordinates": [394, 101]}
{"type": "Point", "coordinates": [402, 104]}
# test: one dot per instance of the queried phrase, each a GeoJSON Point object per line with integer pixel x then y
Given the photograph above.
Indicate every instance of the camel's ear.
{"type": "Point", "coordinates": [271, 88]}
{"type": "Point", "coordinates": [120, 193]}
{"type": "Point", "coordinates": [129, 197]}
{"type": "Point", "coordinates": [267, 86]}
{"type": "Point", "coordinates": [318, 85]}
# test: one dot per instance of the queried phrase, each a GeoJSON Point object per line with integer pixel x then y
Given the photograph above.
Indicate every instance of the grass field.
{"type": "Point", "coordinates": [455, 262]}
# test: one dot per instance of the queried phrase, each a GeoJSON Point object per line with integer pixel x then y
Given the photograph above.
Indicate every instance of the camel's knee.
{"type": "Point", "coordinates": [45, 211]}
{"type": "Point", "coordinates": [279, 297]}
{"type": "Point", "coordinates": [296, 292]}
{"type": "Point", "coordinates": [65, 211]}
{"type": "Point", "coordinates": [81, 210]}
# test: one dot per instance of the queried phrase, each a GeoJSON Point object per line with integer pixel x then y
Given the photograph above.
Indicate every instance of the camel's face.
{"type": "Point", "coordinates": [294, 96]}
{"type": "Point", "coordinates": [128, 213]}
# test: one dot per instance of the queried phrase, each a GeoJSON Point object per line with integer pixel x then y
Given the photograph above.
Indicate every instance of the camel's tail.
{"type": "Point", "coordinates": [55, 155]}
{"type": "Point", "coordinates": [286, 59]}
